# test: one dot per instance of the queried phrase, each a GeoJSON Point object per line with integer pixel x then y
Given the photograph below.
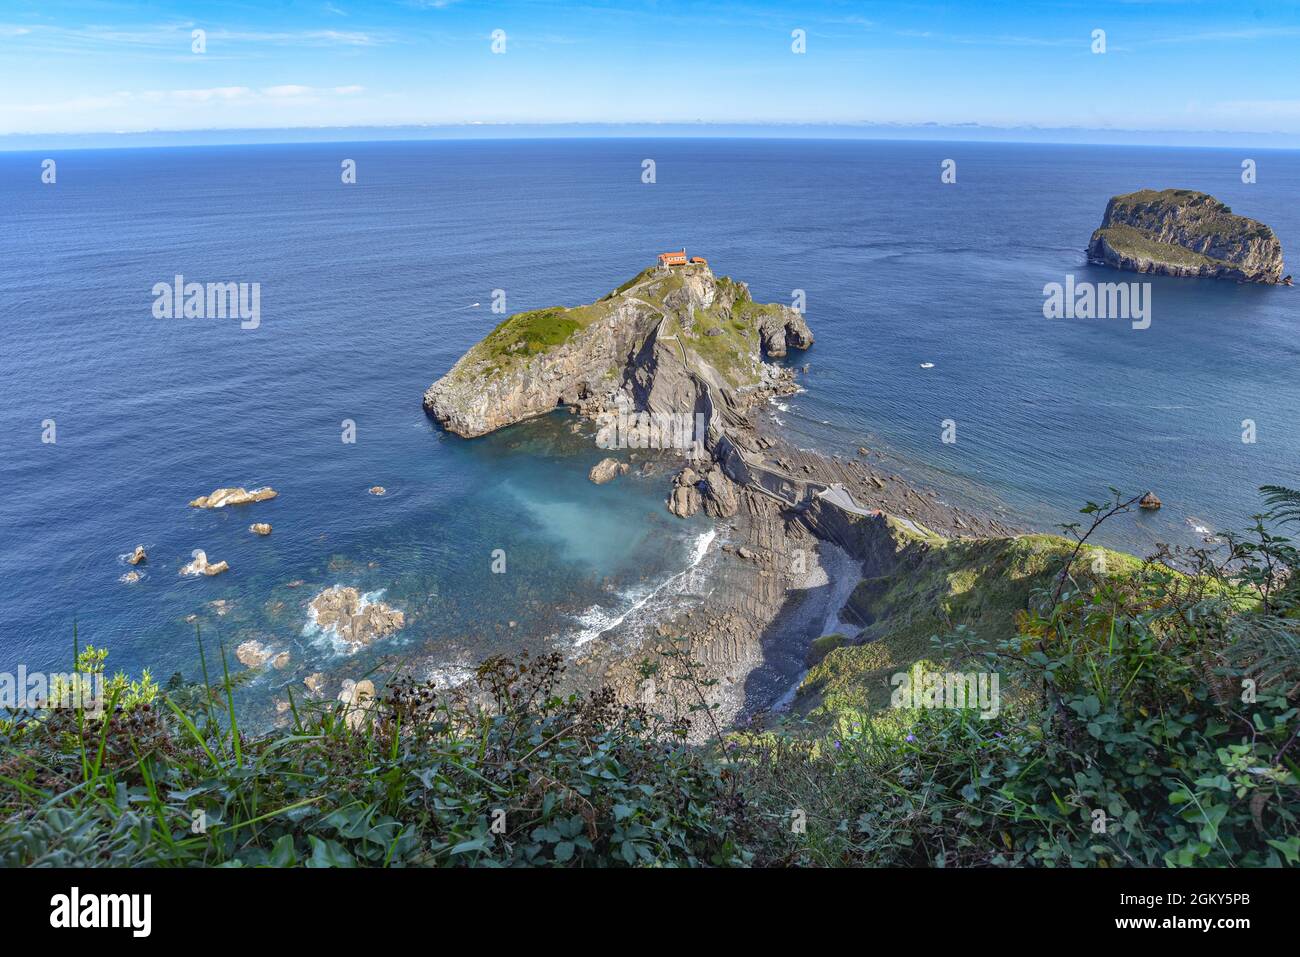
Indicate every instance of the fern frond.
{"type": "Point", "coordinates": [1283, 503]}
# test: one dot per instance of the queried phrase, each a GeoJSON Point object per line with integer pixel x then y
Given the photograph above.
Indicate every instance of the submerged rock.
{"type": "Point", "coordinates": [253, 654]}
{"type": "Point", "coordinates": [358, 622]}
{"type": "Point", "coordinates": [233, 496]}
{"type": "Point", "coordinates": [314, 682]}
{"type": "Point", "coordinates": [606, 470]}
{"type": "Point", "coordinates": [1182, 232]}
{"type": "Point", "coordinates": [378, 490]}
{"type": "Point", "coordinates": [130, 578]}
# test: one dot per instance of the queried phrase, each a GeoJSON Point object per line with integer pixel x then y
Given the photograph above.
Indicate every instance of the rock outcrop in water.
{"type": "Point", "coordinates": [349, 615]}
{"type": "Point", "coordinates": [253, 654]}
{"type": "Point", "coordinates": [1180, 232]}
{"type": "Point", "coordinates": [201, 566]}
{"type": "Point", "coordinates": [606, 470]}
{"type": "Point", "coordinates": [233, 496]}
{"type": "Point", "coordinates": [647, 346]}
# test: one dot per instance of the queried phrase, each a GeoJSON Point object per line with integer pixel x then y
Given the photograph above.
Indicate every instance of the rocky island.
{"type": "Point", "coordinates": [656, 343]}
{"type": "Point", "coordinates": [1181, 232]}
{"type": "Point", "coordinates": [676, 354]}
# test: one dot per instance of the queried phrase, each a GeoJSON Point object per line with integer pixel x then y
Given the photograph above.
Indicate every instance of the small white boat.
{"type": "Point", "coordinates": [927, 365]}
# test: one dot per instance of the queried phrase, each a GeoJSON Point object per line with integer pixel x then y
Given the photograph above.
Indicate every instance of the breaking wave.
{"type": "Point", "coordinates": [596, 621]}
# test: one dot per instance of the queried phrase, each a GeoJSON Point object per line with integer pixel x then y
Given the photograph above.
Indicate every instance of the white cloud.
{"type": "Point", "coordinates": [1260, 109]}
{"type": "Point", "coordinates": [213, 93]}
{"type": "Point", "coordinates": [210, 95]}
{"type": "Point", "coordinates": [172, 38]}
{"type": "Point", "coordinates": [286, 90]}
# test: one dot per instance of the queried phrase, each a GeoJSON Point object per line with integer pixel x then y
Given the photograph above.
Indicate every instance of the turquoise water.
{"type": "Point", "coordinates": [368, 295]}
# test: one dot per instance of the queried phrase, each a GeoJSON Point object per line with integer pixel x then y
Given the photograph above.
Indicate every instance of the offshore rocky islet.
{"type": "Point", "coordinates": [1186, 233]}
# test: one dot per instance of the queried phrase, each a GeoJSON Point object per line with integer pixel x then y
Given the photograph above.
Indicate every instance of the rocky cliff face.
{"type": "Point", "coordinates": [643, 346]}
{"type": "Point", "coordinates": [1180, 232]}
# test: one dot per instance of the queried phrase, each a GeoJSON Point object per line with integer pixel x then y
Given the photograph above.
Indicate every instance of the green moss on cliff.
{"type": "Point", "coordinates": [1209, 215]}
{"type": "Point", "coordinates": [733, 351]}
{"type": "Point", "coordinates": [937, 587]}
{"type": "Point", "coordinates": [526, 334]}
{"type": "Point", "coordinates": [1128, 241]}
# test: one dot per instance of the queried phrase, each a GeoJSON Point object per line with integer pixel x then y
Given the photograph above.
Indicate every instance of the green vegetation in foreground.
{"type": "Point", "coordinates": [1155, 724]}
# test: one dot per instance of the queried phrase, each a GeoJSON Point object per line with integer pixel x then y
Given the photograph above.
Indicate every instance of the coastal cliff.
{"type": "Point", "coordinates": [1181, 232]}
{"type": "Point", "coordinates": [632, 348]}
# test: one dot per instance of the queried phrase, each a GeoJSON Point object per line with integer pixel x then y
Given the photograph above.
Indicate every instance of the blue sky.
{"type": "Point", "coordinates": [103, 65]}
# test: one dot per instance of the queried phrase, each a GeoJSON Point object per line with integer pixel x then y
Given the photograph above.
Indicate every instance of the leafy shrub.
{"type": "Point", "coordinates": [1157, 726]}
{"type": "Point", "coordinates": [420, 779]}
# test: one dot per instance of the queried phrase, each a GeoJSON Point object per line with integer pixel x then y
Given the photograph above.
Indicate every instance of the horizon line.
{"type": "Point", "coordinates": [478, 129]}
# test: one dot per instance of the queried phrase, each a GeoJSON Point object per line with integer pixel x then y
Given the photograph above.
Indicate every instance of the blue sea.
{"type": "Point", "coordinates": [371, 291]}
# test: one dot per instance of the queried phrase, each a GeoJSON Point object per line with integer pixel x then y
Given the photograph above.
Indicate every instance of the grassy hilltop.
{"type": "Point", "coordinates": [732, 314]}
{"type": "Point", "coordinates": [537, 359]}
